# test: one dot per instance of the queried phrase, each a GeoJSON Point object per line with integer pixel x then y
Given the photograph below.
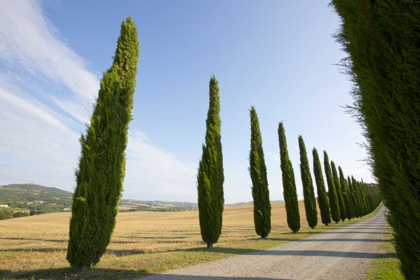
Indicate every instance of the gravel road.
{"type": "Point", "coordinates": [343, 253]}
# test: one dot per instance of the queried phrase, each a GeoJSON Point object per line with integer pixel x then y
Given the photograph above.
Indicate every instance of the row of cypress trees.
{"type": "Point", "coordinates": [346, 199]}
{"type": "Point", "coordinates": [342, 197]}
{"type": "Point", "coordinates": [382, 40]}
{"type": "Point", "coordinates": [332, 204]}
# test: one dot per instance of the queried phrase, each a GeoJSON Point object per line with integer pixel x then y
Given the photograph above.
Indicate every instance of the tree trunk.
{"type": "Point", "coordinates": [85, 267]}
{"type": "Point", "coordinates": [209, 245]}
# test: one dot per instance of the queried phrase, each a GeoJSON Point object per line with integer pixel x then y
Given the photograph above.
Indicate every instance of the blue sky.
{"type": "Point", "coordinates": [278, 56]}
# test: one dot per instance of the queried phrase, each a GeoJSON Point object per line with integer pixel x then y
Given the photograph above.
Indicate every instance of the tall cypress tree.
{"type": "Point", "coordinates": [364, 198]}
{"type": "Point", "coordinates": [357, 196]}
{"type": "Point", "coordinates": [308, 187]}
{"type": "Point", "coordinates": [210, 173]}
{"type": "Point", "coordinates": [289, 185]}
{"type": "Point", "coordinates": [101, 171]}
{"type": "Point", "coordinates": [340, 196]}
{"type": "Point", "coordinates": [382, 39]}
{"type": "Point", "coordinates": [332, 193]}
{"type": "Point", "coordinates": [324, 205]}
{"type": "Point", "coordinates": [354, 197]}
{"type": "Point", "coordinates": [258, 172]}
{"type": "Point", "coordinates": [347, 196]}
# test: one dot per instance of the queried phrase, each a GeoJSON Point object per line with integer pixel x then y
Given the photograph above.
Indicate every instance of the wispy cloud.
{"type": "Point", "coordinates": [42, 119]}
{"type": "Point", "coordinates": [156, 173]}
{"type": "Point", "coordinates": [273, 156]}
{"type": "Point", "coordinates": [30, 41]}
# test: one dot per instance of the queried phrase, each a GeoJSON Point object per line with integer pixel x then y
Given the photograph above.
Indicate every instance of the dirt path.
{"type": "Point", "coordinates": [342, 253]}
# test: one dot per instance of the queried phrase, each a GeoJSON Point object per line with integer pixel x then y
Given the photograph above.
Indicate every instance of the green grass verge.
{"type": "Point", "coordinates": [385, 268]}
{"type": "Point", "coordinates": [141, 265]}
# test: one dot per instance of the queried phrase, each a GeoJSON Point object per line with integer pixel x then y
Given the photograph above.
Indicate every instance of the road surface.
{"type": "Point", "coordinates": [343, 253]}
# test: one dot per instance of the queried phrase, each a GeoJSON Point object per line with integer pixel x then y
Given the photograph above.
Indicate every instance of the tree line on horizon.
{"type": "Point", "coordinates": [101, 171]}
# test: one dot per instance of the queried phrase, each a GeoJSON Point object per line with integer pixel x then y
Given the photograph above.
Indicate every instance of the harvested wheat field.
{"type": "Point", "coordinates": [143, 242]}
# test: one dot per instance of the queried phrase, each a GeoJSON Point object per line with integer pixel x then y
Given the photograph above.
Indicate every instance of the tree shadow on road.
{"type": "Point", "coordinates": [111, 274]}
{"type": "Point", "coordinates": [345, 232]}
{"type": "Point", "coordinates": [310, 253]}
{"type": "Point", "coordinates": [332, 240]}
{"type": "Point", "coordinates": [183, 277]}
{"type": "Point", "coordinates": [118, 253]}
{"type": "Point", "coordinates": [70, 273]}
{"type": "Point", "coordinates": [318, 253]}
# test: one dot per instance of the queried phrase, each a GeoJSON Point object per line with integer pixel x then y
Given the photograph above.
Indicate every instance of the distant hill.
{"type": "Point", "coordinates": [251, 202]}
{"type": "Point", "coordinates": [155, 206]}
{"type": "Point", "coordinates": [37, 197]}
{"type": "Point", "coordinates": [48, 199]}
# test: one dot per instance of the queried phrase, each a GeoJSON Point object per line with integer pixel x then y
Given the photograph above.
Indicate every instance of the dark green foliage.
{"type": "Point", "coordinates": [38, 212]}
{"type": "Point", "coordinates": [332, 192]}
{"type": "Point", "coordinates": [363, 198]}
{"type": "Point", "coordinates": [20, 214]}
{"type": "Point", "coordinates": [210, 173]}
{"type": "Point", "coordinates": [324, 205]}
{"type": "Point", "coordinates": [340, 195]}
{"type": "Point", "coordinates": [289, 185]}
{"type": "Point", "coordinates": [5, 214]}
{"type": "Point", "coordinates": [382, 39]}
{"type": "Point", "coordinates": [258, 172]}
{"type": "Point", "coordinates": [308, 187]}
{"type": "Point", "coordinates": [366, 198]}
{"type": "Point", "coordinates": [101, 170]}
{"type": "Point", "coordinates": [357, 194]}
{"type": "Point", "coordinates": [347, 195]}
{"type": "Point", "coordinates": [354, 198]}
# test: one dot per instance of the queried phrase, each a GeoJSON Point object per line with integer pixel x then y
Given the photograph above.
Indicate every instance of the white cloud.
{"type": "Point", "coordinates": [273, 155]}
{"type": "Point", "coordinates": [40, 141]}
{"type": "Point", "coordinates": [29, 41]}
{"type": "Point", "coordinates": [36, 143]}
{"type": "Point", "coordinates": [154, 173]}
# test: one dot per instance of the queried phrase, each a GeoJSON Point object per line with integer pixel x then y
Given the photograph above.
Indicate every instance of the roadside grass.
{"type": "Point", "coordinates": [152, 249]}
{"type": "Point", "coordinates": [386, 268]}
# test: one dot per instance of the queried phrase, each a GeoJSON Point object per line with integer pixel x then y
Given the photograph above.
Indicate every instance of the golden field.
{"type": "Point", "coordinates": [142, 243]}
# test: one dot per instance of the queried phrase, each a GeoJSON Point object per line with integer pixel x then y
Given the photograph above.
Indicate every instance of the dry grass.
{"type": "Point", "coordinates": [143, 242]}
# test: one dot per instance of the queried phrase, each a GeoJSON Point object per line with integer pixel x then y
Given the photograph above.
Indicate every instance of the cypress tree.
{"type": "Point", "coordinates": [258, 172]}
{"type": "Point", "coordinates": [308, 187]}
{"type": "Point", "coordinates": [364, 196]}
{"type": "Point", "coordinates": [358, 197]}
{"type": "Point", "coordinates": [337, 185]}
{"type": "Point", "coordinates": [347, 196]}
{"type": "Point", "coordinates": [354, 198]}
{"type": "Point", "coordinates": [332, 193]}
{"type": "Point", "coordinates": [289, 185]}
{"type": "Point", "coordinates": [382, 39]}
{"type": "Point", "coordinates": [324, 205]}
{"type": "Point", "coordinates": [101, 171]}
{"type": "Point", "coordinates": [210, 173]}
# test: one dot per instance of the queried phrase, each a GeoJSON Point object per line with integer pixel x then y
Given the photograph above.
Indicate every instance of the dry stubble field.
{"type": "Point", "coordinates": [143, 243]}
